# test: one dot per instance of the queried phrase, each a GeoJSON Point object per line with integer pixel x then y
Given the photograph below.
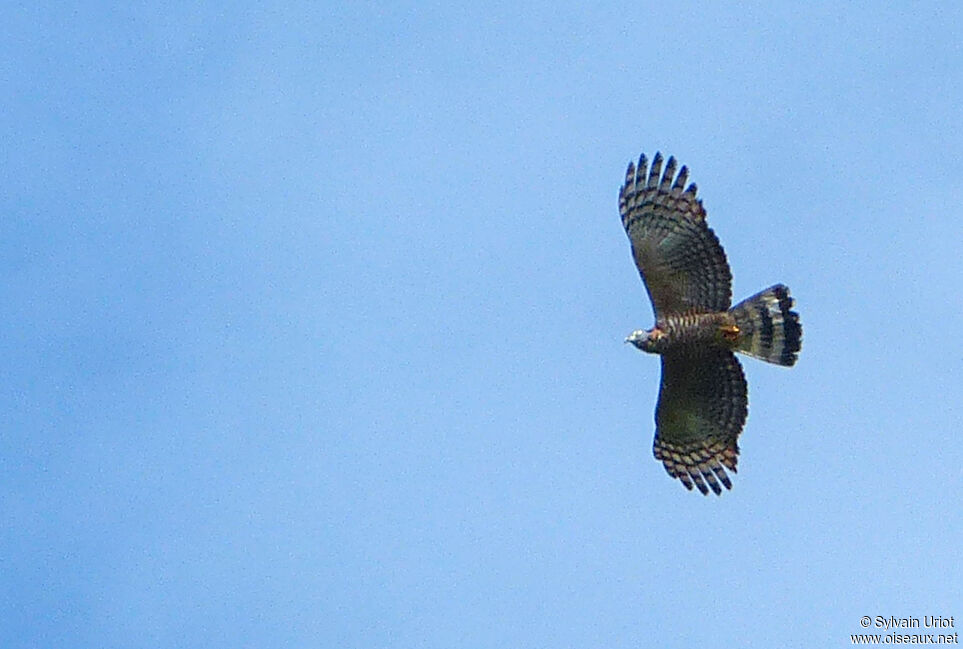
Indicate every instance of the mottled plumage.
{"type": "Point", "coordinates": [703, 396]}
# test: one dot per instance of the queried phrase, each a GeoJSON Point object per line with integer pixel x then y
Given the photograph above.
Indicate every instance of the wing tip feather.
{"type": "Point", "coordinates": [701, 465]}
{"type": "Point", "coordinates": [647, 176]}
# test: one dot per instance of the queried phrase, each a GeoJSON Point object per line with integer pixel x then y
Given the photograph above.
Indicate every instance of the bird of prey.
{"type": "Point", "coordinates": [702, 397]}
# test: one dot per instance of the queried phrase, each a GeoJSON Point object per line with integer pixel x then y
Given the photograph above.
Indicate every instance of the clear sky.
{"type": "Point", "coordinates": [313, 320]}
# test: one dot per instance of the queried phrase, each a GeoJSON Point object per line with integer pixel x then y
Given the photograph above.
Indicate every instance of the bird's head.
{"type": "Point", "coordinates": [645, 340]}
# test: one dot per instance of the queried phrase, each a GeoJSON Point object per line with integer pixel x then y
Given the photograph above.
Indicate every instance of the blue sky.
{"type": "Point", "coordinates": [313, 321]}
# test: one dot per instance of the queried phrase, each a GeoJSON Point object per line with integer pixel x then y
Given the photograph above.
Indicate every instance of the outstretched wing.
{"type": "Point", "coordinates": [702, 408]}
{"type": "Point", "coordinates": [679, 257]}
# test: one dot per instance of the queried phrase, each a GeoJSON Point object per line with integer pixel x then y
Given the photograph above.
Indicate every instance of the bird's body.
{"type": "Point", "coordinates": [703, 397]}
{"type": "Point", "coordinates": [686, 329]}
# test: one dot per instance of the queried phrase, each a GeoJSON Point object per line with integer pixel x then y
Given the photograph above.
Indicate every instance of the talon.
{"type": "Point", "coordinates": [730, 333]}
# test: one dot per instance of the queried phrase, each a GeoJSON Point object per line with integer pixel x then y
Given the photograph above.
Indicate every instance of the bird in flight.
{"type": "Point", "coordinates": [702, 396]}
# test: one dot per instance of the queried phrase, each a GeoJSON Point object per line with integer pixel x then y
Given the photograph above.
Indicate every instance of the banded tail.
{"type": "Point", "coordinates": [768, 327]}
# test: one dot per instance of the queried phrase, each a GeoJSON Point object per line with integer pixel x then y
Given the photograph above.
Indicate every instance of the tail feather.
{"type": "Point", "coordinates": [768, 327]}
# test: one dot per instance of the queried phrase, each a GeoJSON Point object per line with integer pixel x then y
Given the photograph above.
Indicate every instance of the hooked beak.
{"type": "Point", "coordinates": [635, 336]}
